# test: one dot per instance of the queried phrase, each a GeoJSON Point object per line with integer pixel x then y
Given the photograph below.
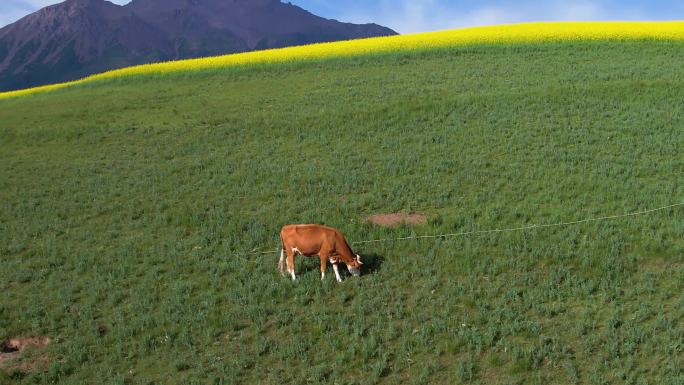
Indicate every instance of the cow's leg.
{"type": "Point", "coordinates": [337, 272]}
{"type": "Point", "coordinates": [281, 262]}
{"type": "Point", "coordinates": [290, 263]}
{"type": "Point", "coordinates": [324, 264]}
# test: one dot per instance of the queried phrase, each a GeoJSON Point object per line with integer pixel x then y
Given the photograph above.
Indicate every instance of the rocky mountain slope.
{"type": "Point", "coordinates": [80, 37]}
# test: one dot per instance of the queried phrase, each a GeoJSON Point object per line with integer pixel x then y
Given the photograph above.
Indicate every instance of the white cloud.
{"type": "Point", "coordinates": [486, 16]}
{"type": "Point", "coordinates": [408, 16]}
{"type": "Point", "coordinates": [579, 11]}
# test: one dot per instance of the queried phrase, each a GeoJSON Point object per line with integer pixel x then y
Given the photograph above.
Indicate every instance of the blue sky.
{"type": "Point", "coordinates": [408, 16]}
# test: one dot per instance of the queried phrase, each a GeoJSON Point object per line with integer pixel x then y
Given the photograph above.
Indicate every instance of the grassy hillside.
{"type": "Point", "coordinates": [523, 33]}
{"type": "Point", "coordinates": [129, 207]}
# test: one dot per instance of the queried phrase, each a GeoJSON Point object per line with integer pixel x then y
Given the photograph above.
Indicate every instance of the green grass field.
{"type": "Point", "coordinates": [128, 209]}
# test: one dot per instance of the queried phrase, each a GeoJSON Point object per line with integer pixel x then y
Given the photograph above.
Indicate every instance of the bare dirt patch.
{"type": "Point", "coordinates": [395, 219]}
{"type": "Point", "coordinates": [12, 355]}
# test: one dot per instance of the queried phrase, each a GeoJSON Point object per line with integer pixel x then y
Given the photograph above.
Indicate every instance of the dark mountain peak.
{"type": "Point", "coordinates": [73, 9]}
{"type": "Point", "coordinates": [76, 38]}
{"type": "Point", "coordinates": [173, 3]}
{"type": "Point", "coordinates": [89, 6]}
{"type": "Point", "coordinates": [85, 2]}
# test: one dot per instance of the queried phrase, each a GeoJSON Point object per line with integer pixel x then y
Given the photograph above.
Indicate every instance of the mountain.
{"type": "Point", "coordinates": [76, 38]}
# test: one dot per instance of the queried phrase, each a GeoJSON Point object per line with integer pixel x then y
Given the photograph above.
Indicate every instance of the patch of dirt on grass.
{"type": "Point", "coordinates": [395, 219]}
{"type": "Point", "coordinates": [12, 357]}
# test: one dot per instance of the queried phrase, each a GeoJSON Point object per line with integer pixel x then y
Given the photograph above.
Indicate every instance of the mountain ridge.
{"type": "Point", "coordinates": [77, 38]}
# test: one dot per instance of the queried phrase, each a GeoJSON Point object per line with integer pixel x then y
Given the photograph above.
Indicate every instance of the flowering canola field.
{"type": "Point", "coordinates": [500, 34]}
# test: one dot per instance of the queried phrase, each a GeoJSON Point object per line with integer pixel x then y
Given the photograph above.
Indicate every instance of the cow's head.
{"type": "Point", "coordinates": [354, 266]}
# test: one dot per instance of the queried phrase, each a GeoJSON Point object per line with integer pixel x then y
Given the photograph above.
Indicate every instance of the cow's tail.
{"type": "Point", "coordinates": [281, 262]}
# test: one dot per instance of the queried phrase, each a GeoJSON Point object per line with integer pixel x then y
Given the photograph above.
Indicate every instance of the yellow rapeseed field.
{"type": "Point", "coordinates": [501, 34]}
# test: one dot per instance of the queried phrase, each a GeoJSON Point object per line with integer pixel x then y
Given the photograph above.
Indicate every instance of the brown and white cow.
{"type": "Point", "coordinates": [326, 242]}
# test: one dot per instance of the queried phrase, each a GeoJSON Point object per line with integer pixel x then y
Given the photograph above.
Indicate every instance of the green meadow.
{"type": "Point", "coordinates": [131, 210]}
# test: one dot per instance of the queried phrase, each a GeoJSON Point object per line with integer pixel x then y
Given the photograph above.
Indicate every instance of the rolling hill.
{"type": "Point", "coordinates": [139, 217]}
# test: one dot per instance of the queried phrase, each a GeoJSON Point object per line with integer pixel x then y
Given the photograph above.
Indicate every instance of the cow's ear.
{"type": "Point", "coordinates": [358, 259]}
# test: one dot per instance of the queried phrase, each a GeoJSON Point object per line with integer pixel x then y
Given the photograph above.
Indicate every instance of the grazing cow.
{"type": "Point", "coordinates": [309, 240]}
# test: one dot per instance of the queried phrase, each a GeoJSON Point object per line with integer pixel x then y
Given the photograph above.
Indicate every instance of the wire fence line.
{"type": "Point", "coordinates": [504, 230]}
